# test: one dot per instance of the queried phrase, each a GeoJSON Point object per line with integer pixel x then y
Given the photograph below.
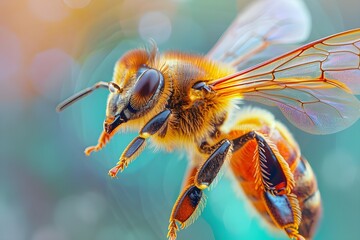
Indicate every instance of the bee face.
{"type": "Point", "coordinates": [134, 91]}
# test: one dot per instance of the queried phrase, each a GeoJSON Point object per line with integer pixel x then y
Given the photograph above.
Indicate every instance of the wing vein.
{"type": "Point", "coordinates": [314, 85]}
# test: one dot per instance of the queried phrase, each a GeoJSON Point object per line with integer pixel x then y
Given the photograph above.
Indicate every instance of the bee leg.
{"type": "Point", "coordinates": [187, 208]}
{"type": "Point", "coordinates": [103, 140]}
{"type": "Point", "coordinates": [138, 144]}
{"type": "Point", "coordinates": [132, 150]}
{"type": "Point", "coordinates": [277, 181]}
{"type": "Point", "coordinates": [211, 167]}
{"type": "Point", "coordinates": [188, 205]}
{"type": "Point", "coordinates": [272, 173]}
{"type": "Point", "coordinates": [285, 212]}
{"type": "Point", "coordinates": [274, 177]}
{"type": "Point", "coordinates": [191, 201]}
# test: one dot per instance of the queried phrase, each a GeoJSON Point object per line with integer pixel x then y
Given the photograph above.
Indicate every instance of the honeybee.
{"type": "Point", "coordinates": [194, 102]}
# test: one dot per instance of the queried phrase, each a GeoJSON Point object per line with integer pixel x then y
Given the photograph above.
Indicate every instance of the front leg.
{"type": "Point", "coordinates": [191, 201]}
{"type": "Point", "coordinates": [103, 140]}
{"type": "Point", "coordinates": [138, 144]}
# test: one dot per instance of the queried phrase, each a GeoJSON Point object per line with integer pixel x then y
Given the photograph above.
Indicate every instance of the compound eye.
{"type": "Point", "coordinates": [146, 86]}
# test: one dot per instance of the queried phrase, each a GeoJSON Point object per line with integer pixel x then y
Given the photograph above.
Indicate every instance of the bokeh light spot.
{"type": "Point", "coordinates": [12, 224]}
{"type": "Point", "coordinates": [155, 25]}
{"type": "Point", "coordinates": [77, 213]}
{"type": "Point", "coordinates": [340, 170]}
{"type": "Point", "coordinates": [49, 69]}
{"type": "Point", "coordinates": [10, 54]}
{"type": "Point", "coordinates": [52, 11]}
{"type": "Point", "coordinates": [47, 233]}
{"type": "Point", "coordinates": [91, 206]}
{"type": "Point", "coordinates": [77, 3]}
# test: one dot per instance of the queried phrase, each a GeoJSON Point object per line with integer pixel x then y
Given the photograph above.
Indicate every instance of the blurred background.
{"type": "Point", "coordinates": [50, 190]}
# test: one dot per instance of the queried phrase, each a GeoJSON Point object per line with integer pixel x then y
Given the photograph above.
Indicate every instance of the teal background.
{"type": "Point", "coordinates": [50, 190]}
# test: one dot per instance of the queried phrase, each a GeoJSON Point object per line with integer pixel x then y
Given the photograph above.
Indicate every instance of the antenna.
{"type": "Point", "coordinates": [80, 95]}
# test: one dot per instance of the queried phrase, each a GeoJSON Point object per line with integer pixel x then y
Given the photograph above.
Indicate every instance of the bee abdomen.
{"type": "Point", "coordinates": [306, 190]}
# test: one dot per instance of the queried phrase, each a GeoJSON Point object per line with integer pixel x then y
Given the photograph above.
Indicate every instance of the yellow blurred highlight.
{"type": "Point", "coordinates": [77, 3]}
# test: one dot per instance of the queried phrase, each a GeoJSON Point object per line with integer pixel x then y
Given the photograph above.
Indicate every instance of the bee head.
{"type": "Point", "coordinates": [135, 89]}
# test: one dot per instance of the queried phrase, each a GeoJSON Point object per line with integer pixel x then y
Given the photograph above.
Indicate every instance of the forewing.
{"type": "Point", "coordinates": [314, 86]}
{"type": "Point", "coordinates": [263, 23]}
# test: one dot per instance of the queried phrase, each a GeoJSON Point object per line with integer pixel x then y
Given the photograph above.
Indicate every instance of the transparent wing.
{"type": "Point", "coordinates": [263, 23]}
{"type": "Point", "coordinates": [314, 86]}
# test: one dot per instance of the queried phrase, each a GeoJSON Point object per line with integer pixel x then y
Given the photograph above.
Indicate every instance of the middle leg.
{"type": "Point", "coordinates": [191, 201]}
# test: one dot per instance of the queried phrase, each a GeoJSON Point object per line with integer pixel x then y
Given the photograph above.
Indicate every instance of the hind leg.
{"type": "Point", "coordinates": [274, 181]}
